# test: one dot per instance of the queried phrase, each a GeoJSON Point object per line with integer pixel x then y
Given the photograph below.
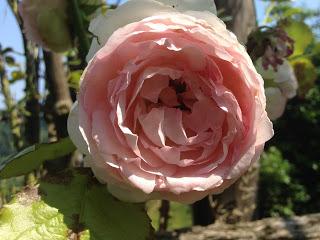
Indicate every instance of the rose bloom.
{"type": "Point", "coordinates": [45, 23]}
{"type": "Point", "coordinates": [280, 86]}
{"type": "Point", "coordinates": [170, 105]}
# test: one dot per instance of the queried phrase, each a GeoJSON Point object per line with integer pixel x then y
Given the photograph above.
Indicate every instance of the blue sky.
{"type": "Point", "coordinates": [11, 37]}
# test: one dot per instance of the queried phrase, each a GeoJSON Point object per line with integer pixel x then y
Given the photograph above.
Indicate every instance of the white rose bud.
{"type": "Point", "coordinates": [280, 85]}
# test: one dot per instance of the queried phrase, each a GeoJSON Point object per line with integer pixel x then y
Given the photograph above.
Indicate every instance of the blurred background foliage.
{"type": "Point", "coordinates": [290, 167]}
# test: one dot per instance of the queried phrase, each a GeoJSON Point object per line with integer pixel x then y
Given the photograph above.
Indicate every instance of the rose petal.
{"type": "Point", "coordinates": [131, 11]}
{"type": "Point", "coordinates": [276, 103]}
{"type": "Point", "coordinates": [76, 134]}
{"type": "Point", "coordinates": [191, 5]}
{"type": "Point", "coordinates": [173, 127]}
{"type": "Point", "coordinates": [151, 121]}
{"type": "Point", "coordinates": [104, 135]}
{"type": "Point", "coordinates": [140, 179]}
{"type": "Point", "coordinates": [128, 194]}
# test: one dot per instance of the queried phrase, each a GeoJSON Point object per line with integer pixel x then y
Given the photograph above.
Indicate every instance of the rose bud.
{"type": "Point", "coordinates": [170, 105]}
{"type": "Point", "coordinates": [45, 23]}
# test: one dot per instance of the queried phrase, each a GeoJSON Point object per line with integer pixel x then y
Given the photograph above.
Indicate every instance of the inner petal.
{"type": "Point", "coordinates": [205, 114]}
{"type": "Point", "coordinates": [153, 86]}
{"type": "Point", "coordinates": [168, 97]}
{"type": "Point", "coordinates": [173, 127]}
{"type": "Point", "coordinates": [152, 125]}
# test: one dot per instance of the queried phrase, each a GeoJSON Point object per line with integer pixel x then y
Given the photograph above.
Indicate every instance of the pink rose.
{"type": "Point", "coordinates": [37, 15]}
{"type": "Point", "coordinates": [170, 106]}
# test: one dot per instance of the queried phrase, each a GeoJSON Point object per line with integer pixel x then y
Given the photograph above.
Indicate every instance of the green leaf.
{"type": "Point", "coordinates": [72, 205]}
{"type": "Point", "coordinates": [291, 11]}
{"type": "Point", "coordinates": [27, 217]}
{"type": "Point", "coordinates": [7, 50]}
{"type": "Point", "coordinates": [301, 34]}
{"type": "Point", "coordinates": [89, 209]}
{"type": "Point", "coordinates": [90, 9]}
{"type": "Point", "coordinates": [17, 75]}
{"type": "Point", "coordinates": [306, 74]}
{"type": "Point", "coordinates": [10, 61]}
{"type": "Point", "coordinates": [32, 157]}
{"type": "Point", "coordinates": [74, 79]}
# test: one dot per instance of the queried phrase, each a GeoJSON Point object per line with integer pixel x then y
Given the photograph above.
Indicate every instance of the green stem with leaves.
{"type": "Point", "coordinates": [32, 123]}
{"type": "Point", "coordinates": [13, 115]}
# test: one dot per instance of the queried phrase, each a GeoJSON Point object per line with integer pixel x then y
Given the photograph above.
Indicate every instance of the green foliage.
{"type": "Point", "coordinates": [180, 215]}
{"type": "Point", "coordinates": [306, 74]}
{"type": "Point", "coordinates": [10, 60]}
{"type": "Point", "coordinates": [9, 187]}
{"type": "Point", "coordinates": [312, 110]}
{"type": "Point", "coordinates": [17, 75]}
{"type": "Point", "coordinates": [27, 217]}
{"type": "Point", "coordinates": [278, 191]}
{"type": "Point", "coordinates": [301, 34]}
{"type": "Point", "coordinates": [89, 7]}
{"type": "Point", "coordinates": [297, 138]}
{"type": "Point", "coordinates": [6, 144]}
{"type": "Point", "coordinates": [88, 10]}
{"type": "Point", "coordinates": [280, 10]}
{"type": "Point", "coordinates": [298, 130]}
{"type": "Point", "coordinates": [293, 21]}
{"type": "Point", "coordinates": [86, 205]}
{"type": "Point", "coordinates": [72, 205]}
{"type": "Point", "coordinates": [32, 157]}
{"type": "Point", "coordinates": [74, 79]}
{"type": "Point", "coordinates": [290, 173]}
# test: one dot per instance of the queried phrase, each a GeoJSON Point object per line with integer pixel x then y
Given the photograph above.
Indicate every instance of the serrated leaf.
{"type": "Point", "coordinates": [32, 157]}
{"type": "Point", "coordinates": [27, 217]}
{"type": "Point", "coordinates": [72, 205]}
{"type": "Point", "coordinates": [89, 209]}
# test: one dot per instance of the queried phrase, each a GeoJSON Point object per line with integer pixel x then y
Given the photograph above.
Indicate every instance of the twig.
{"type": "Point", "coordinates": [164, 215]}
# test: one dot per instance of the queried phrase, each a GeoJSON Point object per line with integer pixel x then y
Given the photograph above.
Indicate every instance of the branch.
{"type": "Point", "coordinates": [164, 215]}
{"type": "Point", "coordinates": [303, 227]}
{"type": "Point", "coordinates": [58, 103]}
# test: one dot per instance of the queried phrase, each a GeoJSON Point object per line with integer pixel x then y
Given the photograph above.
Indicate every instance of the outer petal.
{"type": "Point", "coordinates": [191, 5]}
{"type": "Point", "coordinates": [135, 10]}
{"type": "Point", "coordinates": [287, 80]}
{"type": "Point", "coordinates": [74, 129]}
{"type": "Point", "coordinates": [276, 103]}
{"type": "Point", "coordinates": [127, 193]}
{"type": "Point", "coordinates": [131, 11]}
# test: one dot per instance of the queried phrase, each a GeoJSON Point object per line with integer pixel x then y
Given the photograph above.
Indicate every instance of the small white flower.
{"type": "Point", "coordinates": [280, 85]}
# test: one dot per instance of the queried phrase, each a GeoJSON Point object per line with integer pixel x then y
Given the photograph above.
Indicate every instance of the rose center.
{"type": "Point", "coordinates": [180, 87]}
